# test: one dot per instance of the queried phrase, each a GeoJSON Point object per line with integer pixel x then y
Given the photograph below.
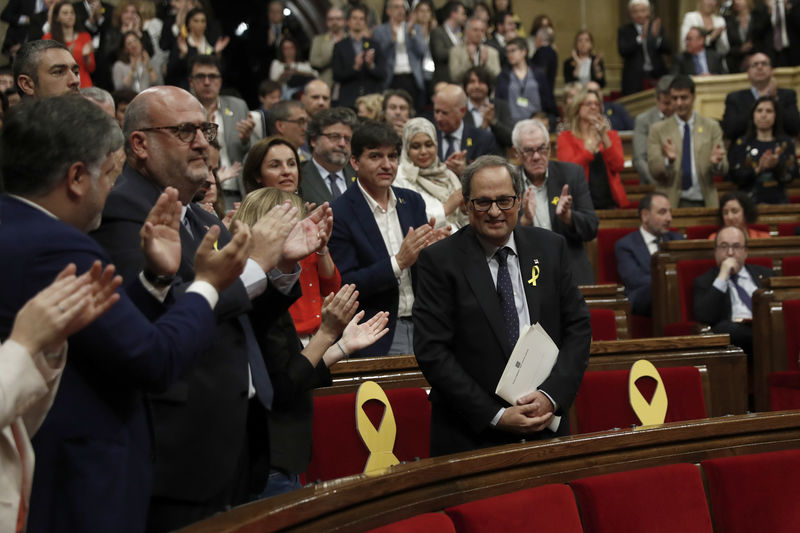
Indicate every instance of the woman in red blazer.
{"type": "Point", "coordinates": [590, 143]}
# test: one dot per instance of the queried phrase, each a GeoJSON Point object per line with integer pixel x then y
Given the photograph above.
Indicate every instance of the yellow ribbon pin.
{"type": "Point", "coordinates": [469, 141]}
{"type": "Point", "coordinates": [554, 201]}
{"type": "Point", "coordinates": [534, 275]}
{"type": "Point", "coordinates": [700, 129]}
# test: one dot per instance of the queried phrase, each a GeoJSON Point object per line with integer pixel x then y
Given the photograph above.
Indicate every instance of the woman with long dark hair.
{"type": "Point", "coordinates": [65, 29]}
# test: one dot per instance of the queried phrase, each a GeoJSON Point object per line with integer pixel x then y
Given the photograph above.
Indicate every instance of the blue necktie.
{"type": "Point", "coordinates": [335, 190]}
{"type": "Point", "coordinates": [506, 293]}
{"type": "Point", "coordinates": [698, 66]}
{"type": "Point", "coordinates": [743, 296]}
{"type": "Point", "coordinates": [686, 158]}
{"type": "Point", "coordinates": [450, 146]}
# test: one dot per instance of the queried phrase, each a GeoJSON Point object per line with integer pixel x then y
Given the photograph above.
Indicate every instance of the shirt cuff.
{"type": "Point", "coordinates": [396, 268]}
{"type": "Point", "coordinates": [206, 290]}
{"type": "Point", "coordinates": [497, 417]}
{"type": "Point", "coordinates": [254, 279]}
{"type": "Point", "coordinates": [284, 282]}
{"type": "Point", "coordinates": [720, 285]}
{"type": "Point", "coordinates": [555, 405]}
{"type": "Point", "coordinates": [159, 293]}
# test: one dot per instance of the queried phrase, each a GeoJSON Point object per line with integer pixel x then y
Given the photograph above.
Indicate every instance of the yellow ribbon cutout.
{"type": "Point", "coordinates": [554, 201]}
{"type": "Point", "coordinates": [380, 442]}
{"type": "Point", "coordinates": [648, 413]}
{"type": "Point", "coordinates": [534, 275]}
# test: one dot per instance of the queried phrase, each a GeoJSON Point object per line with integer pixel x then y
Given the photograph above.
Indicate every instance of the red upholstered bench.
{"type": "Point", "coordinates": [423, 523]}
{"type": "Point", "coordinates": [786, 229]}
{"type": "Point", "coordinates": [545, 509]}
{"type": "Point", "coordinates": [602, 402]}
{"type": "Point", "coordinates": [784, 387]}
{"type": "Point", "coordinates": [758, 492]}
{"type": "Point", "coordinates": [337, 449]}
{"type": "Point", "coordinates": [700, 232]}
{"type": "Point", "coordinates": [604, 325]}
{"type": "Point", "coordinates": [607, 261]}
{"type": "Point", "coordinates": [665, 499]}
{"type": "Point", "coordinates": [791, 266]}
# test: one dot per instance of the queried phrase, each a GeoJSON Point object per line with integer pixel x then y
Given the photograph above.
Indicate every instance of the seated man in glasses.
{"type": "Point", "coordinates": [723, 295]}
{"type": "Point", "coordinates": [203, 423]}
{"type": "Point", "coordinates": [236, 126]}
{"type": "Point", "coordinates": [475, 292]}
{"type": "Point", "coordinates": [556, 196]}
{"type": "Point", "coordinates": [378, 232]}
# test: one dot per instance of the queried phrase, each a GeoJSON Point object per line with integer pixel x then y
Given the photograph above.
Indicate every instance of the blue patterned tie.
{"type": "Point", "coordinates": [686, 158]}
{"type": "Point", "coordinates": [743, 296]}
{"type": "Point", "coordinates": [506, 293]}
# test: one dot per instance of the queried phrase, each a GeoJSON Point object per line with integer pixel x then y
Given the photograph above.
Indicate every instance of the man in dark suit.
{"type": "Point", "coordinates": [18, 15]}
{"type": "Point", "coordinates": [723, 295]}
{"type": "Point", "coordinates": [94, 450]}
{"type": "Point", "coordinates": [473, 299]}
{"type": "Point", "coordinates": [459, 143]}
{"type": "Point", "coordinates": [697, 60]}
{"type": "Point", "coordinates": [357, 66]}
{"type": "Point", "coordinates": [446, 36]}
{"type": "Point", "coordinates": [494, 116]}
{"type": "Point", "coordinates": [634, 250]}
{"type": "Point", "coordinates": [378, 231]}
{"type": "Point", "coordinates": [642, 47]}
{"type": "Point", "coordinates": [556, 196]}
{"type": "Point", "coordinates": [739, 104]}
{"type": "Point", "coordinates": [328, 174]}
{"type": "Point", "coordinates": [205, 422]}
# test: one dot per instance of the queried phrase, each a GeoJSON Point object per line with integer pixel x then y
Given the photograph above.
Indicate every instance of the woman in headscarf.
{"type": "Point", "coordinates": [421, 170]}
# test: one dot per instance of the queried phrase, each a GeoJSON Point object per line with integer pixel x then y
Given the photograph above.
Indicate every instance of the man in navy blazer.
{"type": "Point", "coordinates": [378, 232]}
{"type": "Point", "coordinates": [94, 449]}
{"type": "Point", "coordinates": [459, 143]}
{"type": "Point", "coordinates": [466, 329]}
{"type": "Point", "coordinates": [357, 62]}
{"type": "Point", "coordinates": [634, 250]}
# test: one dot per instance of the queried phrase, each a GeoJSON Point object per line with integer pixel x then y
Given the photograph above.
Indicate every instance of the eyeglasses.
{"type": "Point", "coordinates": [186, 131]}
{"type": "Point", "coordinates": [204, 77]}
{"type": "Point", "coordinates": [302, 121]}
{"type": "Point", "coordinates": [336, 137]}
{"type": "Point", "coordinates": [754, 64]}
{"type": "Point", "coordinates": [504, 203]}
{"type": "Point", "coordinates": [542, 150]}
{"type": "Point", "coordinates": [736, 247]}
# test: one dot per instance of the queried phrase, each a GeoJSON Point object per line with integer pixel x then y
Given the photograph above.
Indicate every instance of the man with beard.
{"type": "Point", "coordinates": [46, 68]}
{"type": "Point", "coordinates": [327, 174]}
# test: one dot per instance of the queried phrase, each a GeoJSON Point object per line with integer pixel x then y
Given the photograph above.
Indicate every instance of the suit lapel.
{"type": "Point", "coordinates": [553, 191]}
{"type": "Point", "coordinates": [404, 215]}
{"type": "Point", "coordinates": [313, 183]}
{"type": "Point", "coordinates": [641, 251]}
{"type": "Point", "coordinates": [528, 260]}
{"type": "Point", "coordinates": [366, 220]}
{"type": "Point", "coordinates": [476, 270]}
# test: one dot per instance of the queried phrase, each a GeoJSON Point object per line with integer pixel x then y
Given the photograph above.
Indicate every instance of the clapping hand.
{"type": "Point", "coordinates": [717, 154]}
{"type": "Point", "coordinates": [564, 207]}
{"type": "Point", "coordinates": [160, 235]}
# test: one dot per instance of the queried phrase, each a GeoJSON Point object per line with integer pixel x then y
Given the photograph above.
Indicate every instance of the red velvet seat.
{"type": "Point", "coordinates": [423, 523]}
{"type": "Point", "coordinates": [758, 492]}
{"type": "Point", "coordinates": [545, 509]}
{"type": "Point", "coordinates": [700, 232]}
{"type": "Point", "coordinates": [338, 450]}
{"type": "Point", "coordinates": [607, 261]}
{"type": "Point", "coordinates": [784, 387]}
{"type": "Point", "coordinates": [666, 499]}
{"type": "Point", "coordinates": [786, 229]}
{"type": "Point", "coordinates": [602, 402]}
{"type": "Point", "coordinates": [791, 266]}
{"type": "Point", "coordinates": [604, 325]}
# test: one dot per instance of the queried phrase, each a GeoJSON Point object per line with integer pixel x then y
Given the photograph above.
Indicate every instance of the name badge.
{"type": "Point", "coordinates": [522, 101]}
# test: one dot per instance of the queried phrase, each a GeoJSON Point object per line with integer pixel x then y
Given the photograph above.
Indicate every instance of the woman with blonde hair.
{"type": "Point", "coordinates": [590, 142]}
{"type": "Point", "coordinates": [296, 370]}
{"type": "Point", "coordinates": [421, 170]}
{"type": "Point", "coordinates": [369, 106]}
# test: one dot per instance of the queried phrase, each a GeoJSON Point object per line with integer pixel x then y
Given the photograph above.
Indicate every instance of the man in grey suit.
{"type": "Point", "coordinates": [230, 113]}
{"type": "Point", "coordinates": [328, 174]}
{"type": "Point", "coordinates": [660, 111]}
{"type": "Point", "coordinates": [556, 196]}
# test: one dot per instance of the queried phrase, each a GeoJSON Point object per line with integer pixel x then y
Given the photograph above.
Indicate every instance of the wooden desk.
{"type": "Point", "coordinates": [362, 502]}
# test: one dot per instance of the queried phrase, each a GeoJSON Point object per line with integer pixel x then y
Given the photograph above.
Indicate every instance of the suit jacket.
{"type": "Point", "coordinates": [584, 218]}
{"type": "Point", "coordinates": [354, 83]}
{"type": "Point", "coordinates": [460, 341]}
{"type": "Point", "coordinates": [360, 254]}
{"type": "Point", "coordinates": [233, 110]}
{"type": "Point", "coordinates": [82, 17]}
{"type": "Point", "coordinates": [312, 185]}
{"type": "Point", "coordinates": [712, 306]}
{"type": "Point", "coordinates": [502, 126]}
{"type": "Point", "coordinates": [200, 421]}
{"type": "Point", "coordinates": [415, 48]}
{"type": "Point", "coordinates": [633, 265]}
{"type": "Point", "coordinates": [757, 32]}
{"type": "Point", "coordinates": [739, 107]}
{"type": "Point", "coordinates": [321, 57]}
{"type": "Point", "coordinates": [93, 451]}
{"type": "Point", "coordinates": [475, 141]}
{"type": "Point", "coordinates": [440, 45]}
{"type": "Point", "coordinates": [28, 386]}
{"type": "Point", "coordinates": [707, 134]}
{"type": "Point", "coordinates": [684, 63]}
{"type": "Point", "coordinates": [460, 62]}
{"type": "Point", "coordinates": [17, 33]}
{"type": "Point", "coordinates": [569, 71]}
{"type": "Point", "coordinates": [546, 60]}
{"type": "Point", "coordinates": [641, 130]}
{"type": "Point", "coordinates": [632, 52]}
